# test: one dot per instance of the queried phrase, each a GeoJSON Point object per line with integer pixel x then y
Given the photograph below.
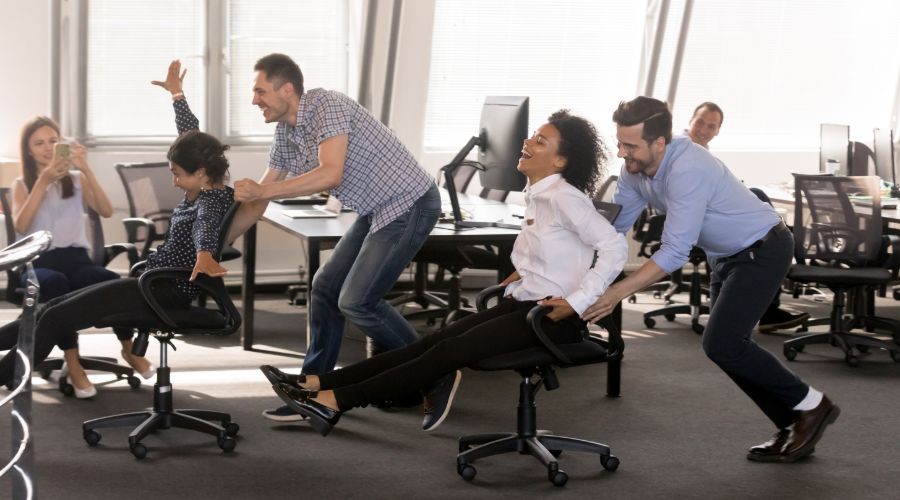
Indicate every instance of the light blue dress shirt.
{"type": "Point", "coordinates": [704, 203]}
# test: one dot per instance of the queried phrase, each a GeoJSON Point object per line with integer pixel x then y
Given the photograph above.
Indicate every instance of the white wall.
{"type": "Point", "coordinates": [25, 62]}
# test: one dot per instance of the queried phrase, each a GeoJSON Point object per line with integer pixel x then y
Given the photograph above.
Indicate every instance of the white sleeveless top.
{"type": "Point", "coordinates": [63, 217]}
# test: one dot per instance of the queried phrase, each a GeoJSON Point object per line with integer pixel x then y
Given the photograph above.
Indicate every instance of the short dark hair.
{"type": "Point", "coordinates": [281, 69]}
{"type": "Point", "coordinates": [583, 149]}
{"type": "Point", "coordinates": [194, 150]}
{"type": "Point", "coordinates": [653, 113]}
{"type": "Point", "coordinates": [712, 107]}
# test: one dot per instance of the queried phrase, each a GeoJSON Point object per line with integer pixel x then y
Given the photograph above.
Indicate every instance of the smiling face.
{"type": "Point", "coordinates": [40, 145]}
{"type": "Point", "coordinates": [277, 105]}
{"type": "Point", "coordinates": [639, 155]}
{"type": "Point", "coordinates": [704, 126]}
{"type": "Point", "coordinates": [188, 182]}
{"type": "Point", "coordinates": [540, 154]}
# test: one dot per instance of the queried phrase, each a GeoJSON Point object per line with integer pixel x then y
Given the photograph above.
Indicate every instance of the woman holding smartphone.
{"type": "Point", "coordinates": [56, 185]}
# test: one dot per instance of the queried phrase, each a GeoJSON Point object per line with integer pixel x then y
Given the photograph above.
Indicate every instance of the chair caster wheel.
{"type": "Point", "coordinates": [632, 300]}
{"type": "Point", "coordinates": [609, 462]}
{"type": "Point", "coordinates": [466, 471]}
{"type": "Point", "coordinates": [657, 295]}
{"type": "Point", "coordinates": [556, 453]}
{"type": "Point", "coordinates": [138, 450]}
{"type": "Point", "coordinates": [698, 328]}
{"type": "Point", "coordinates": [559, 478]}
{"type": "Point", "coordinates": [92, 437]}
{"type": "Point", "coordinates": [231, 429]}
{"type": "Point", "coordinates": [895, 355]}
{"type": "Point", "coordinates": [649, 322]}
{"type": "Point", "coordinates": [134, 382]}
{"type": "Point", "coordinates": [790, 353]}
{"type": "Point", "coordinates": [669, 317]}
{"type": "Point", "coordinates": [66, 388]}
{"type": "Point", "coordinates": [851, 360]}
{"type": "Point", "coordinates": [862, 348]}
{"type": "Point", "coordinates": [45, 374]}
{"type": "Point", "coordinates": [227, 443]}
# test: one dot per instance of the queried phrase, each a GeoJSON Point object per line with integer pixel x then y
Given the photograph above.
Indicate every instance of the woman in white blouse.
{"type": "Point", "coordinates": [553, 258]}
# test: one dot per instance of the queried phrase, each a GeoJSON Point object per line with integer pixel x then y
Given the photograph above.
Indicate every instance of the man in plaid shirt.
{"type": "Point", "coordinates": [325, 141]}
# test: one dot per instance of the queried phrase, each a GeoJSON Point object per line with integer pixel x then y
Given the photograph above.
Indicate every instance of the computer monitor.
{"type": "Point", "coordinates": [834, 149]}
{"type": "Point", "coordinates": [885, 166]}
{"type": "Point", "coordinates": [502, 132]}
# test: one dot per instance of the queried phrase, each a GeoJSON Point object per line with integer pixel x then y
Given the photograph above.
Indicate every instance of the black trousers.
{"type": "Point", "coordinates": [741, 288]}
{"type": "Point", "coordinates": [116, 302]}
{"type": "Point", "coordinates": [498, 330]}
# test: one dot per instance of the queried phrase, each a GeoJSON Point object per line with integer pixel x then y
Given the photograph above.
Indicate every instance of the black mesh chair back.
{"type": "Point", "coordinates": [152, 197]}
{"type": "Point", "coordinates": [829, 226]}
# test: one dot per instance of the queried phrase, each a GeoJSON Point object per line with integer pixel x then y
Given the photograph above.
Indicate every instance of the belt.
{"type": "Point", "coordinates": [777, 228]}
{"type": "Point", "coordinates": [780, 227]}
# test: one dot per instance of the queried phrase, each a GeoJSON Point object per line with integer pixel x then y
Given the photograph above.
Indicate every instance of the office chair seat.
{"type": "Point", "coordinates": [840, 277]}
{"type": "Point", "coordinates": [541, 361]}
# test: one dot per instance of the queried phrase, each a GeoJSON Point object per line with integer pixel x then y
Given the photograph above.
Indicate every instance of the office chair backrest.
{"type": "Point", "coordinates": [608, 210]}
{"type": "Point", "coordinates": [150, 192]}
{"type": "Point", "coordinates": [837, 219]}
{"type": "Point", "coordinates": [494, 194]}
{"type": "Point", "coordinates": [224, 227]}
{"type": "Point", "coordinates": [607, 189]}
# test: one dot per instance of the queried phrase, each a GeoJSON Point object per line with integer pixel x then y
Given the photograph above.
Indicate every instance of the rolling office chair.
{"type": "Point", "coordinates": [541, 362]}
{"type": "Point", "coordinates": [847, 238]}
{"type": "Point", "coordinates": [223, 320]}
{"type": "Point", "coordinates": [100, 254]}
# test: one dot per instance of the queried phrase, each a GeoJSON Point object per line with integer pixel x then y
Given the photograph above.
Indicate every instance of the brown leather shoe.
{"type": "Point", "coordinates": [770, 451]}
{"type": "Point", "coordinates": [807, 429]}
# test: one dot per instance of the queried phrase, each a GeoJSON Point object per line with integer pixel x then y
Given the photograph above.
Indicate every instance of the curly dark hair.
{"type": "Point", "coordinates": [583, 149]}
{"type": "Point", "coordinates": [194, 150]}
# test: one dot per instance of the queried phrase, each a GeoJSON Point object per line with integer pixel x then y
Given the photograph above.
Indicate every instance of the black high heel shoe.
{"type": "Point", "coordinates": [321, 417]}
{"type": "Point", "coordinates": [277, 376]}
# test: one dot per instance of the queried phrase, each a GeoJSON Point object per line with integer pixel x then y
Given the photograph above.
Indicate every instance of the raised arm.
{"type": "Point", "coordinates": [184, 118]}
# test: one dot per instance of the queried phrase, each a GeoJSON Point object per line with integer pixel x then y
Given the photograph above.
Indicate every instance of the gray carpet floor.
{"type": "Point", "coordinates": [680, 428]}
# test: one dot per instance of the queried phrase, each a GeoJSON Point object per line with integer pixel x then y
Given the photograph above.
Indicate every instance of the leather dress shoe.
{"type": "Point", "coordinates": [320, 417]}
{"type": "Point", "coordinates": [770, 451]}
{"type": "Point", "coordinates": [277, 376]}
{"type": "Point", "coordinates": [807, 429]}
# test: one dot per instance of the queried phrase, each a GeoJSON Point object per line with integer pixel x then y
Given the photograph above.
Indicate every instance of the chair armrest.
{"type": "Point", "coordinates": [486, 295]}
{"type": "Point", "coordinates": [892, 258]}
{"type": "Point", "coordinates": [214, 288]}
{"type": "Point", "coordinates": [615, 344]}
{"type": "Point", "coordinates": [133, 225]}
{"type": "Point", "coordinates": [114, 250]}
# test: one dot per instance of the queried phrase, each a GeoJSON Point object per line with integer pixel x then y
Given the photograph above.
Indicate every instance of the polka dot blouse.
{"type": "Point", "coordinates": [194, 227]}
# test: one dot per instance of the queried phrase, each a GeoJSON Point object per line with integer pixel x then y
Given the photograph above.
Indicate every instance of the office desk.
{"type": "Point", "coordinates": [323, 233]}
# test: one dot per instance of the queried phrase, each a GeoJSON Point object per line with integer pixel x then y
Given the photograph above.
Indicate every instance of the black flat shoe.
{"type": "Point", "coordinates": [277, 376]}
{"type": "Point", "coordinates": [322, 418]}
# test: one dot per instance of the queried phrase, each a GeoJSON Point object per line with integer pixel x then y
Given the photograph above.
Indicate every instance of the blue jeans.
{"type": "Point", "coordinates": [362, 269]}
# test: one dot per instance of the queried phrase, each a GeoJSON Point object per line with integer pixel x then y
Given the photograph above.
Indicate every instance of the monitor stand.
{"type": "Point", "coordinates": [448, 171]}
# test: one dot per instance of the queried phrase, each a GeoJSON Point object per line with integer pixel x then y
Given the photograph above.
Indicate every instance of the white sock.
{"type": "Point", "coordinates": [811, 401]}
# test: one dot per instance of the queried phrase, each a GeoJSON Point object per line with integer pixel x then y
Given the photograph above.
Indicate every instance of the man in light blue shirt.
{"type": "Point", "coordinates": [750, 250]}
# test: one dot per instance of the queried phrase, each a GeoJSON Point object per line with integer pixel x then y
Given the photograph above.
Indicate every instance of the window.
{"type": "Point", "coordinates": [779, 68]}
{"type": "Point", "coordinates": [582, 55]}
{"type": "Point", "coordinates": [131, 43]}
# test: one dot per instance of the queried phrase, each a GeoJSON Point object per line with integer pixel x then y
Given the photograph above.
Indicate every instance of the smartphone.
{"type": "Point", "coordinates": [61, 150]}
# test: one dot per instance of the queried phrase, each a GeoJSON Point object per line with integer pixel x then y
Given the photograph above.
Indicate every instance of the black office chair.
{"type": "Point", "coordinates": [101, 254]}
{"type": "Point", "coordinates": [651, 240]}
{"type": "Point", "coordinates": [223, 320]}
{"type": "Point", "coordinates": [846, 239]}
{"type": "Point", "coordinates": [541, 361]}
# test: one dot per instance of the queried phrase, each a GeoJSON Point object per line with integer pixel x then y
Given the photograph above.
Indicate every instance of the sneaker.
{"type": "Point", "coordinates": [438, 400]}
{"type": "Point", "coordinates": [779, 319]}
{"type": "Point", "coordinates": [283, 414]}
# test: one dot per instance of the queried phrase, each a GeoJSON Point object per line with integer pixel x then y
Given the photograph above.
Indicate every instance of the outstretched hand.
{"type": "Point", "coordinates": [207, 265]}
{"type": "Point", "coordinates": [174, 78]}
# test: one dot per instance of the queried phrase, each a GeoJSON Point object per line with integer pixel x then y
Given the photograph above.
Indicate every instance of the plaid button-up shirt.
{"type": "Point", "coordinates": [381, 178]}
